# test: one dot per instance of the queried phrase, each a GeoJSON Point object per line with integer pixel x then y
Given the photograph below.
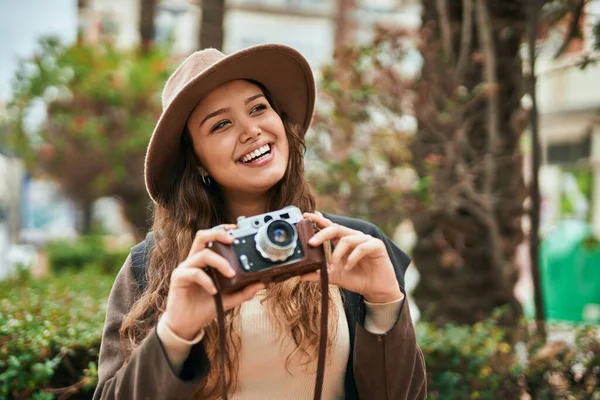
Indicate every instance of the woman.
{"type": "Point", "coordinates": [230, 143]}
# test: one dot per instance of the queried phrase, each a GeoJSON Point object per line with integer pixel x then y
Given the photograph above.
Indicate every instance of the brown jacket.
{"type": "Point", "coordinates": [388, 366]}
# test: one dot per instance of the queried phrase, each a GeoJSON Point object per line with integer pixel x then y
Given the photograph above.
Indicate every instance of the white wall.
{"type": "Point", "coordinates": [313, 37]}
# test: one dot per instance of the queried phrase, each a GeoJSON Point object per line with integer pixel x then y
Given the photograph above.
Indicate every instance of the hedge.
{"type": "Point", "coordinates": [50, 332]}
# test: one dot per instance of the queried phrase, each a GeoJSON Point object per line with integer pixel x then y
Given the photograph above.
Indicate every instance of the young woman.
{"type": "Point", "coordinates": [230, 143]}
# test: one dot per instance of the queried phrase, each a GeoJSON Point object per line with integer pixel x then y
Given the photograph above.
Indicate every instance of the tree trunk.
{"type": "Point", "coordinates": [468, 234]}
{"type": "Point", "coordinates": [344, 24]}
{"type": "Point", "coordinates": [211, 25]}
{"type": "Point", "coordinates": [534, 236]}
{"type": "Point", "coordinates": [82, 20]}
{"type": "Point", "coordinates": [147, 27]}
{"type": "Point", "coordinates": [86, 209]}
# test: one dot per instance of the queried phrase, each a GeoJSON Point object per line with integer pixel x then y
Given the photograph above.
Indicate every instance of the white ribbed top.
{"type": "Point", "coordinates": [263, 374]}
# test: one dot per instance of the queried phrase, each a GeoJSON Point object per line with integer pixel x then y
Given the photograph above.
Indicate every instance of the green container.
{"type": "Point", "coordinates": [570, 269]}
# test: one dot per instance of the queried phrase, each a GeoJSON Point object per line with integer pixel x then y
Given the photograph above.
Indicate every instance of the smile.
{"type": "Point", "coordinates": [256, 156]}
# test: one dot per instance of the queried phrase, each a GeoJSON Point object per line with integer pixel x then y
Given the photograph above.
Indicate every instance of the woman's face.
{"type": "Point", "coordinates": [239, 139]}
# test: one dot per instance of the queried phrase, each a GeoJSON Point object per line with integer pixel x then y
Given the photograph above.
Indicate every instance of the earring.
{"type": "Point", "coordinates": [206, 180]}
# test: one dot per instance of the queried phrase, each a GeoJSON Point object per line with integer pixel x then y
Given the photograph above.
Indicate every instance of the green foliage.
{"type": "Point", "coordinates": [50, 332]}
{"type": "Point", "coordinates": [468, 362]}
{"type": "Point", "coordinates": [584, 179]}
{"type": "Point", "coordinates": [102, 104]}
{"type": "Point", "coordinates": [479, 362]}
{"type": "Point", "coordinates": [85, 252]}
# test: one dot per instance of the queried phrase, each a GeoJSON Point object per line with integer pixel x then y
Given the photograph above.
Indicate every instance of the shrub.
{"type": "Point", "coordinates": [468, 362]}
{"type": "Point", "coordinates": [50, 332]}
{"type": "Point", "coordinates": [478, 362]}
{"type": "Point", "coordinates": [87, 251]}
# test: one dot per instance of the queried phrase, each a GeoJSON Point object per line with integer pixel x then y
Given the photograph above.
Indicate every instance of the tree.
{"type": "Point", "coordinates": [468, 235]}
{"type": "Point", "coordinates": [102, 105]}
{"type": "Point", "coordinates": [147, 25]}
{"type": "Point", "coordinates": [467, 204]}
{"type": "Point", "coordinates": [211, 25]}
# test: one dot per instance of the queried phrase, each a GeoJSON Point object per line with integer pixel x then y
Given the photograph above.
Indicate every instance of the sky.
{"type": "Point", "coordinates": [22, 22]}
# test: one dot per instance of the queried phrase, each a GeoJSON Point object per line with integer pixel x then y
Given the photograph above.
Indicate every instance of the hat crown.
{"type": "Point", "coordinates": [194, 65]}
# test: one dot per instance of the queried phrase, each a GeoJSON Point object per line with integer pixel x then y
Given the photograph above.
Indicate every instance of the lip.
{"type": "Point", "coordinates": [254, 147]}
{"type": "Point", "coordinates": [262, 162]}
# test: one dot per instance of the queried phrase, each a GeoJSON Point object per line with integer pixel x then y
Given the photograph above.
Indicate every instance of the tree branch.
{"type": "Point", "coordinates": [486, 41]}
{"type": "Point", "coordinates": [446, 32]}
{"type": "Point", "coordinates": [466, 36]}
{"type": "Point", "coordinates": [576, 14]}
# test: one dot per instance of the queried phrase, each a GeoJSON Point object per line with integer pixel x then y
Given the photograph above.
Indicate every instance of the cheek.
{"type": "Point", "coordinates": [211, 155]}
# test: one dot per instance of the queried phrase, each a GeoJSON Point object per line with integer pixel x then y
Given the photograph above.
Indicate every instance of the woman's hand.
{"type": "Point", "coordinates": [360, 263]}
{"type": "Point", "coordinates": [190, 303]}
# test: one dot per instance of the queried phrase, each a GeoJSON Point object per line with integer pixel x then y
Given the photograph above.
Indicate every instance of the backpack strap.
{"type": "Point", "coordinates": [139, 259]}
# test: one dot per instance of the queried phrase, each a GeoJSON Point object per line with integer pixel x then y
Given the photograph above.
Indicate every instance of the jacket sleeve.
{"type": "Point", "coordinates": [147, 374]}
{"type": "Point", "coordinates": [391, 365]}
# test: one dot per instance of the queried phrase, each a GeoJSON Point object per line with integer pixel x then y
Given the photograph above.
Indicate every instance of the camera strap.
{"type": "Point", "coordinates": [322, 338]}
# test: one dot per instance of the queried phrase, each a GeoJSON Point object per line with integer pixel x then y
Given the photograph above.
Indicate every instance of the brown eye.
{"type": "Point", "coordinates": [259, 107]}
{"type": "Point", "coordinates": [219, 125]}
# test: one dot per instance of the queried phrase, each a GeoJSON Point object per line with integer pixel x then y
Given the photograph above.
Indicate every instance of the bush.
{"type": "Point", "coordinates": [468, 362]}
{"type": "Point", "coordinates": [478, 362]}
{"type": "Point", "coordinates": [87, 251]}
{"type": "Point", "coordinates": [50, 333]}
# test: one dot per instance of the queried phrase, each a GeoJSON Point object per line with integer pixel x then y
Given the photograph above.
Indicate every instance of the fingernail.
{"type": "Point", "coordinates": [213, 290]}
{"type": "Point", "coordinates": [312, 240]}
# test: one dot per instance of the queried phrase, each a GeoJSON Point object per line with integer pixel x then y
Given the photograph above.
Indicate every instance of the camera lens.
{"type": "Point", "coordinates": [280, 232]}
{"type": "Point", "coordinates": [276, 240]}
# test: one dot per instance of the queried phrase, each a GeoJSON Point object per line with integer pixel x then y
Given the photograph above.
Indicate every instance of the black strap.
{"type": "Point", "coordinates": [324, 326]}
{"type": "Point", "coordinates": [322, 338]}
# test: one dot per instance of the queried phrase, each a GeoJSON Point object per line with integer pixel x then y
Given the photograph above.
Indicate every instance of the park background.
{"type": "Point", "coordinates": [469, 131]}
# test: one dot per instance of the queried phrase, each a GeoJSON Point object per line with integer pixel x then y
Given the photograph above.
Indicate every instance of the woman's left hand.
{"type": "Point", "coordinates": [360, 263]}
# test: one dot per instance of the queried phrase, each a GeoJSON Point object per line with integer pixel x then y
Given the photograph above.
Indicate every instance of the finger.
{"type": "Point", "coordinates": [208, 258]}
{"type": "Point", "coordinates": [361, 251]}
{"type": "Point", "coordinates": [232, 300]}
{"type": "Point", "coordinates": [332, 232]}
{"type": "Point", "coordinates": [318, 219]}
{"type": "Point", "coordinates": [184, 276]}
{"type": "Point", "coordinates": [345, 245]}
{"type": "Point", "coordinates": [227, 227]}
{"type": "Point", "coordinates": [205, 236]}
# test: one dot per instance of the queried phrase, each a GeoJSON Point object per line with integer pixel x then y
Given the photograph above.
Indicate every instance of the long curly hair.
{"type": "Point", "coordinates": [189, 206]}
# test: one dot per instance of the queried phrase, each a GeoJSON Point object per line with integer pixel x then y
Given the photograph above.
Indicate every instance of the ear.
{"type": "Point", "coordinates": [201, 170]}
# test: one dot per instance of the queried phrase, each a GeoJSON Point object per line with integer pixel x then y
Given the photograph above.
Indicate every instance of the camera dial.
{"type": "Point", "coordinates": [276, 240]}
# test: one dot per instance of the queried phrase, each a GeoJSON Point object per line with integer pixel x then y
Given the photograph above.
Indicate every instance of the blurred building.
{"type": "Point", "coordinates": [569, 106]}
{"type": "Point", "coordinates": [307, 25]}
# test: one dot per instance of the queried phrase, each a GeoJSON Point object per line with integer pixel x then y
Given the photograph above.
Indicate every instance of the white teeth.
{"type": "Point", "coordinates": [256, 153]}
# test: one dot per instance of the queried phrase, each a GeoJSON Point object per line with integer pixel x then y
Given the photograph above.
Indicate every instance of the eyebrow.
{"type": "Point", "coordinates": [224, 110]}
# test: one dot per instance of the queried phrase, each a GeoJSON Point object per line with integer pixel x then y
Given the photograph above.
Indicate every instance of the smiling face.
{"type": "Point", "coordinates": [239, 139]}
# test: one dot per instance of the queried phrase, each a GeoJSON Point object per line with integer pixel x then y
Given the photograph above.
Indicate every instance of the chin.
{"type": "Point", "coordinates": [269, 183]}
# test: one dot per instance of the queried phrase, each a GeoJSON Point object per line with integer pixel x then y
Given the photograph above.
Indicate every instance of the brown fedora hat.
{"type": "Point", "coordinates": [281, 69]}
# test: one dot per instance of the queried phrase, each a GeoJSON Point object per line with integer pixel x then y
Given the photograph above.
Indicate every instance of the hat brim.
{"type": "Point", "coordinates": [283, 71]}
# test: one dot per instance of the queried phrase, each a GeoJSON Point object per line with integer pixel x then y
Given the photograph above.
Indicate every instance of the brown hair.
{"type": "Point", "coordinates": [190, 206]}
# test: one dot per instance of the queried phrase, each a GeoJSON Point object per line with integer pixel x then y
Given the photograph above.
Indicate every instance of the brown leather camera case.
{"type": "Point", "coordinates": [314, 257]}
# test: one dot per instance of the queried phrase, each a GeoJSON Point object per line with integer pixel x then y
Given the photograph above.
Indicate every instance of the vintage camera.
{"type": "Point", "coordinates": [269, 247]}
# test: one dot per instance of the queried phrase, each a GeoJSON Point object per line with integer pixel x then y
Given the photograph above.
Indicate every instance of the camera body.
{"type": "Point", "coordinates": [270, 247]}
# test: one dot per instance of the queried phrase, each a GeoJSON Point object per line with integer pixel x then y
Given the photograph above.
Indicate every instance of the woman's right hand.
{"type": "Point", "coordinates": [190, 302]}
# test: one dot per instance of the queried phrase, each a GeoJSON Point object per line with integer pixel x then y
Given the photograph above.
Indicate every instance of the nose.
{"type": "Point", "coordinates": [250, 132]}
